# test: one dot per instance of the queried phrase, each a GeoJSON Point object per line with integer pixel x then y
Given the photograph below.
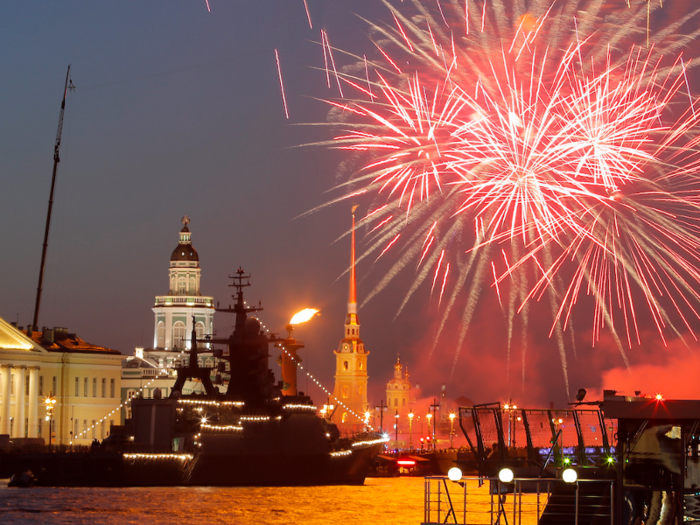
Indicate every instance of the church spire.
{"type": "Point", "coordinates": [351, 358]}
{"type": "Point", "coordinates": [352, 296]}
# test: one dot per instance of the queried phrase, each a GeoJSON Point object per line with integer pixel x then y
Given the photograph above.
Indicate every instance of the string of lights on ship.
{"type": "Point", "coordinates": [230, 428]}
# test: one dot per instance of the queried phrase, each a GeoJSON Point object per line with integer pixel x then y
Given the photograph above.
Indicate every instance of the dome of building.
{"type": "Point", "coordinates": [184, 252]}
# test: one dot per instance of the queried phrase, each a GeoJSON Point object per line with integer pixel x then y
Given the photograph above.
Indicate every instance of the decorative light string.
{"type": "Point", "coordinates": [310, 375]}
{"type": "Point", "coordinates": [221, 428]}
{"type": "Point", "coordinates": [181, 457]}
{"type": "Point", "coordinates": [162, 371]}
{"type": "Point", "coordinates": [254, 418]}
{"type": "Point", "coordinates": [300, 407]}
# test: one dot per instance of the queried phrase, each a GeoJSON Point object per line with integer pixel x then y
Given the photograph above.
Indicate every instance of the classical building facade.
{"type": "Point", "coordinates": [83, 380]}
{"type": "Point", "coordinates": [174, 312]}
{"type": "Point", "coordinates": [398, 391]}
{"type": "Point", "coordinates": [350, 390]}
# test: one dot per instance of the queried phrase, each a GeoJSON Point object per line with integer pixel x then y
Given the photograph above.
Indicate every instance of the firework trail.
{"type": "Point", "coordinates": [547, 152]}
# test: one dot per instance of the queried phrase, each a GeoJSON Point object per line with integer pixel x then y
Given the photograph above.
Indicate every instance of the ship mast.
{"type": "Point", "coordinates": [56, 160]}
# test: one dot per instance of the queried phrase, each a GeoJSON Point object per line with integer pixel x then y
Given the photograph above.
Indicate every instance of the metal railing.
{"type": "Point", "coordinates": [488, 501]}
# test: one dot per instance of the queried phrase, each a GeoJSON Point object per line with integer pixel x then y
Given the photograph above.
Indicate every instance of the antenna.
{"type": "Point", "coordinates": [56, 160]}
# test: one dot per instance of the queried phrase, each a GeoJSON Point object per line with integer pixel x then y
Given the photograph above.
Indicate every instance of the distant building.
{"type": "Point", "coordinates": [84, 380]}
{"type": "Point", "coordinates": [174, 312]}
{"type": "Point", "coordinates": [350, 391]}
{"type": "Point", "coordinates": [151, 370]}
{"type": "Point", "coordinates": [398, 391]}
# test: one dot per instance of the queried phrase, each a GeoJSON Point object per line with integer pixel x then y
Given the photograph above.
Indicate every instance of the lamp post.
{"type": "Point", "coordinates": [396, 429]}
{"type": "Point", "coordinates": [381, 409]}
{"type": "Point", "coordinates": [410, 429]}
{"type": "Point", "coordinates": [430, 417]}
{"type": "Point", "coordinates": [50, 404]}
{"type": "Point", "coordinates": [452, 430]}
{"type": "Point", "coordinates": [435, 406]}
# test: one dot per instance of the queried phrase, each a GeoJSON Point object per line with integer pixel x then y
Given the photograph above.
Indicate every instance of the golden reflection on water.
{"type": "Point", "coordinates": [385, 501]}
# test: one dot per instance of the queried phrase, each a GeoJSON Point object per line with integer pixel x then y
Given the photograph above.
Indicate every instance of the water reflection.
{"type": "Point", "coordinates": [380, 500]}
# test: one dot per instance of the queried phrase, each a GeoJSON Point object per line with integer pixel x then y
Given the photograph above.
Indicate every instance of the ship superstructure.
{"type": "Point", "coordinates": [240, 431]}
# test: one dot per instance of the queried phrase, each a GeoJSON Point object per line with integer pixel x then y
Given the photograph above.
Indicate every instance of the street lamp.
{"type": "Point", "coordinates": [410, 429]}
{"type": "Point", "coordinates": [50, 404]}
{"type": "Point", "coordinates": [396, 428]}
{"type": "Point", "coordinates": [430, 417]}
{"type": "Point", "coordinates": [452, 429]}
{"type": "Point", "coordinates": [381, 408]}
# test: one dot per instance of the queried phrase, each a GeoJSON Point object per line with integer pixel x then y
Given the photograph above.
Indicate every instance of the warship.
{"type": "Point", "coordinates": [251, 434]}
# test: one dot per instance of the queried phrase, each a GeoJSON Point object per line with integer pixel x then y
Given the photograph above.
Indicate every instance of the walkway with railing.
{"type": "Point", "coordinates": [488, 501]}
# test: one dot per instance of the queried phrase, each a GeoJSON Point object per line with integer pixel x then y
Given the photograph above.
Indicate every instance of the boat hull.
{"type": "Point", "coordinates": [104, 469]}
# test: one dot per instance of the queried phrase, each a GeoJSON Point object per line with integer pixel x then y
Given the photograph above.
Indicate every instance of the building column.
{"type": "Point", "coordinates": [33, 401]}
{"type": "Point", "coordinates": [20, 400]}
{"type": "Point", "coordinates": [188, 328]}
{"type": "Point", "coordinates": [168, 329]}
{"type": "Point", "coordinates": [5, 401]}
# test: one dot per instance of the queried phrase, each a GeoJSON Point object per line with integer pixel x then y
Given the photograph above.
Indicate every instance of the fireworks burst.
{"type": "Point", "coordinates": [547, 153]}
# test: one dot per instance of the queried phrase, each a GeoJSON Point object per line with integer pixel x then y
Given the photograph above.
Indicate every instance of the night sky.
{"type": "Point", "coordinates": [178, 112]}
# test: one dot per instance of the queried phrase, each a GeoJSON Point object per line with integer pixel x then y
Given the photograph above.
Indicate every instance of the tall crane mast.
{"type": "Point", "coordinates": [56, 160]}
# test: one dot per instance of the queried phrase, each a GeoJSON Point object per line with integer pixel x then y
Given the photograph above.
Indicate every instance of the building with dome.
{"type": "Point", "coordinates": [151, 371]}
{"type": "Point", "coordinates": [175, 311]}
{"type": "Point", "coordinates": [350, 391]}
{"type": "Point", "coordinates": [398, 390]}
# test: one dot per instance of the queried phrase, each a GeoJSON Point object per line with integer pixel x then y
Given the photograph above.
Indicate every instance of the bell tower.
{"type": "Point", "coordinates": [184, 308]}
{"type": "Point", "coordinates": [351, 360]}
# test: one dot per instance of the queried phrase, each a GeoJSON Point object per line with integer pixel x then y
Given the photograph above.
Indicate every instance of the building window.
{"type": "Point", "coordinates": [54, 390]}
{"type": "Point", "coordinates": [38, 427]}
{"type": "Point", "coordinates": [102, 429]}
{"type": "Point", "coordinates": [161, 335]}
{"type": "Point", "coordinates": [179, 335]}
{"type": "Point", "coordinates": [182, 287]}
{"type": "Point", "coordinates": [94, 429]}
{"type": "Point", "coordinates": [77, 386]}
{"type": "Point", "coordinates": [403, 401]}
{"type": "Point", "coordinates": [111, 388]}
{"type": "Point", "coordinates": [75, 429]}
{"type": "Point", "coordinates": [94, 387]}
{"type": "Point", "coordinates": [84, 428]}
{"type": "Point", "coordinates": [26, 385]}
{"type": "Point", "coordinates": [346, 392]}
{"type": "Point", "coordinates": [396, 401]}
{"type": "Point", "coordinates": [111, 424]}
{"type": "Point", "coordinates": [104, 387]}
{"type": "Point", "coordinates": [346, 365]}
{"type": "Point", "coordinates": [41, 385]}
{"type": "Point", "coordinates": [199, 329]}
{"type": "Point", "coordinates": [85, 387]}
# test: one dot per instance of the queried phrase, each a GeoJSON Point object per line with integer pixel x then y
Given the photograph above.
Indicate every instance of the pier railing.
{"type": "Point", "coordinates": [488, 501]}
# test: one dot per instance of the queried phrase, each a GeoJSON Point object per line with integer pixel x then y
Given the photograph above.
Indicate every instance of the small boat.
{"type": "Point", "coordinates": [23, 479]}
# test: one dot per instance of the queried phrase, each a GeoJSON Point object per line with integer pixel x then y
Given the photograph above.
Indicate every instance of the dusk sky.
{"type": "Point", "coordinates": [178, 112]}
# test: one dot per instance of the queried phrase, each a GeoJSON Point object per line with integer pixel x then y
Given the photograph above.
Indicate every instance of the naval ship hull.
{"type": "Point", "coordinates": [106, 469]}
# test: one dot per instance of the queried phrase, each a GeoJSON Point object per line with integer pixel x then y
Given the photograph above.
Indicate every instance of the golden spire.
{"type": "Point", "coordinates": [352, 300]}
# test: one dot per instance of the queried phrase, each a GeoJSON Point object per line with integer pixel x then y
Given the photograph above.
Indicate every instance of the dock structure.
{"type": "Point", "coordinates": [626, 459]}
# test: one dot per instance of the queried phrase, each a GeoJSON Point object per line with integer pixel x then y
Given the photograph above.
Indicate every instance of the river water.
{"type": "Point", "coordinates": [386, 501]}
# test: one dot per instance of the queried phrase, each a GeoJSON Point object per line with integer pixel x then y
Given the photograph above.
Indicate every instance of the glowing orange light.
{"type": "Point", "coordinates": [659, 397]}
{"type": "Point", "coordinates": [303, 316]}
